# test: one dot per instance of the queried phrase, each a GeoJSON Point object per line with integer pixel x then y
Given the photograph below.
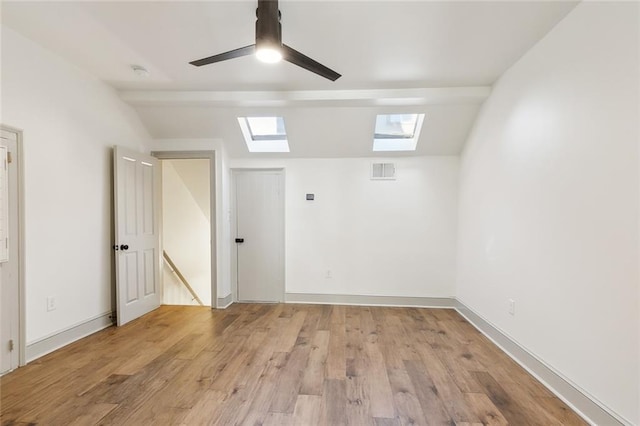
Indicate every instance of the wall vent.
{"type": "Point", "coordinates": [383, 171]}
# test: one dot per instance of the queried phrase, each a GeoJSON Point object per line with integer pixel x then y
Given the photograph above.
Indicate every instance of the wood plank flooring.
{"type": "Point", "coordinates": [255, 364]}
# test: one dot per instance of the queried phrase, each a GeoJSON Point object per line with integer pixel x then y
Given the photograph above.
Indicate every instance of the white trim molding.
{"type": "Point", "coordinates": [67, 336]}
{"type": "Point", "coordinates": [364, 300]}
{"type": "Point", "coordinates": [225, 302]}
{"type": "Point", "coordinates": [365, 97]}
{"type": "Point", "coordinates": [587, 406]}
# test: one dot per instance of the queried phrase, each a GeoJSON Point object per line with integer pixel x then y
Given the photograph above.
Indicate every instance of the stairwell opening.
{"type": "Point", "coordinates": [186, 232]}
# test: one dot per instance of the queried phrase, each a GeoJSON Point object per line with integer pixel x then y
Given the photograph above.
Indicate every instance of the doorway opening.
{"type": "Point", "coordinates": [188, 224]}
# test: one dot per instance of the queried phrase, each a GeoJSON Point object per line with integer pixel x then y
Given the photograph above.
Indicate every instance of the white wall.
{"type": "Point", "coordinates": [194, 173]}
{"type": "Point", "coordinates": [186, 230]}
{"type": "Point", "coordinates": [549, 204]}
{"type": "Point", "coordinates": [70, 122]}
{"type": "Point", "coordinates": [381, 238]}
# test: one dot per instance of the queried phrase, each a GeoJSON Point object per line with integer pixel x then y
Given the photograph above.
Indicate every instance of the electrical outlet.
{"type": "Point", "coordinates": [512, 307]}
{"type": "Point", "coordinates": [51, 303]}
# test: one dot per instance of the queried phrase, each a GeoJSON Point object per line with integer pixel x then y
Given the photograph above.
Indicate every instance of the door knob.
{"type": "Point", "coordinates": [124, 247]}
{"type": "Point", "coordinates": [239, 240]}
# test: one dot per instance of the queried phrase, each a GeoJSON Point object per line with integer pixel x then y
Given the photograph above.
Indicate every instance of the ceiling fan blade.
{"type": "Point", "coordinates": [243, 51]}
{"type": "Point", "coordinates": [291, 55]}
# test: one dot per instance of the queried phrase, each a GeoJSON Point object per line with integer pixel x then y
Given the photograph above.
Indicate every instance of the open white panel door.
{"type": "Point", "coordinates": [137, 191]}
{"type": "Point", "coordinates": [9, 264]}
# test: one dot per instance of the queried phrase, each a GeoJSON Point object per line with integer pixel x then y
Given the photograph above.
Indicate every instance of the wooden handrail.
{"type": "Point", "coordinates": [181, 277]}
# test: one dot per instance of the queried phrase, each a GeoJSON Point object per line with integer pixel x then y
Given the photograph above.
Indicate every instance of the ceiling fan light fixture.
{"type": "Point", "coordinates": [269, 47]}
{"type": "Point", "coordinates": [269, 55]}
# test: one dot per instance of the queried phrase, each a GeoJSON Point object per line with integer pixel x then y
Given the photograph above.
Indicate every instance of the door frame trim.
{"type": "Point", "coordinates": [22, 311]}
{"type": "Point", "coordinates": [200, 155]}
{"type": "Point", "coordinates": [234, 250]}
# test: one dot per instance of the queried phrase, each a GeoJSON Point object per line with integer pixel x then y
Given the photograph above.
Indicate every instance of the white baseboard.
{"type": "Point", "coordinates": [579, 400]}
{"type": "Point", "coordinates": [48, 344]}
{"type": "Point", "coordinates": [361, 300]}
{"type": "Point", "coordinates": [225, 302]}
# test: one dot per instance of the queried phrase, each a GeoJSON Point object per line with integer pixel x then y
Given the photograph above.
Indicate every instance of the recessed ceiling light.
{"type": "Point", "coordinates": [140, 70]}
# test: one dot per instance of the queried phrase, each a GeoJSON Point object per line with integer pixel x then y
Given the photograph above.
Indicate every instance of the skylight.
{"type": "Point", "coordinates": [264, 134]}
{"type": "Point", "coordinates": [397, 132]}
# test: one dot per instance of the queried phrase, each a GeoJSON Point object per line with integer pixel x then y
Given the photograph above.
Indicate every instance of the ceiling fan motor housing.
{"type": "Point", "coordinates": [268, 27]}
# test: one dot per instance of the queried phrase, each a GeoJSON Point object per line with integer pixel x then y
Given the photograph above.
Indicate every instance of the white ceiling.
{"type": "Point", "coordinates": [375, 45]}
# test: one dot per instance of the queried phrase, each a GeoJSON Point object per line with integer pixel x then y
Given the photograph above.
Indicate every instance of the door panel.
{"type": "Point", "coordinates": [131, 276]}
{"type": "Point", "coordinates": [147, 199]}
{"type": "Point", "coordinates": [149, 273]}
{"type": "Point", "coordinates": [130, 205]}
{"type": "Point", "coordinates": [137, 235]}
{"type": "Point", "coordinates": [4, 205]}
{"type": "Point", "coordinates": [260, 222]}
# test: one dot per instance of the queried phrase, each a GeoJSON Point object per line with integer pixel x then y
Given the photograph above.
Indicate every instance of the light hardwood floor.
{"type": "Point", "coordinates": [282, 365]}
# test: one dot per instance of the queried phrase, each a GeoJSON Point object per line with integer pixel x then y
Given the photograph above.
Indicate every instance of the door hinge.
{"type": "Point", "coordinates": [11, 345]}
{"type": "Point", "coordinates": [9, 157]}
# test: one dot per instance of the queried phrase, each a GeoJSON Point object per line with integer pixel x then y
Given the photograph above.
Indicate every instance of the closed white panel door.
{"type": "Point", "coordinates": [260, 224]}
{"type": "Point", "coordinates": [9, 262]}
{"type": "Point", "coordinates": [137, 178]}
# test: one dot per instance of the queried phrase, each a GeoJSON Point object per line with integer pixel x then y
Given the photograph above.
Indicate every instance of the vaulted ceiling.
{"type": "Point", "coordinates": [439, 58]}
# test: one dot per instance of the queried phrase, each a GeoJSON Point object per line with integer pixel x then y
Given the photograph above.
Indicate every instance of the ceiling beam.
{"type": "Point", "coordinates": [318, 98]}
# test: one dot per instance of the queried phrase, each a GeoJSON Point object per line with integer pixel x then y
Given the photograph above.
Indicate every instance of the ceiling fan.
{"type": "Point", "coordinates": [269, 46]}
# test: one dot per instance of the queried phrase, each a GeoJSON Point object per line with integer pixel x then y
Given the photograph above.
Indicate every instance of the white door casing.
{"type": "Point", "coordinates": [137, 192]}
{"type": "Point", "coordinates": [260, 222]}
{"type": "Point", "coordinates": [10, 333]}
